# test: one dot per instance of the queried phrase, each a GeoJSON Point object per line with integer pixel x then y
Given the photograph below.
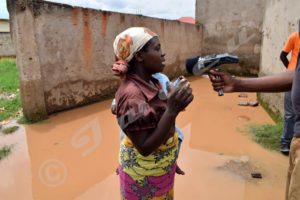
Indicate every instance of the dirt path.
{"type": "Point", "coordinates": [73, 155]}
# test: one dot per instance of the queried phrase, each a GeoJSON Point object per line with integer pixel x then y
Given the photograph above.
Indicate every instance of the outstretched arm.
{"type": "Point", "coordinates": [274, 83]}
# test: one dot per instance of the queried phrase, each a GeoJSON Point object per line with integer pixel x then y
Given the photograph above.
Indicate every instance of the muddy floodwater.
{"type": "Point", "coordinates": [74, 154]}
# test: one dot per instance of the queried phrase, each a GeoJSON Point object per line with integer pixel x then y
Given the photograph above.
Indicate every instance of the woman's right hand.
{"type": "Point", "coordinates": [180, 97]}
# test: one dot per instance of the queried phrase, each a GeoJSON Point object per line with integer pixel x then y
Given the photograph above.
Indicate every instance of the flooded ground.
{"type": "Point", "coordinates": [74, 154]}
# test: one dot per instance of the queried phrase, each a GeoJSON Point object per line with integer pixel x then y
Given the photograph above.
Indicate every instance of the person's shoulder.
{"type": "Point", "coordinates": [128, 90]}
{"type": "Point", "coordinates": [294, 35]}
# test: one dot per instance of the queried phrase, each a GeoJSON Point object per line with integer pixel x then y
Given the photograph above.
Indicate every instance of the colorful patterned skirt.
{"type": "Point", "coordinates": [151, 177]}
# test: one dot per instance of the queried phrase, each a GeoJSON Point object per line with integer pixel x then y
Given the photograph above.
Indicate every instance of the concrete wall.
{"type": "Point", "coordinates": [233, 26]}
{"type": "Point", "coordinates": [6, 46]}
{"type": "Point", "coordinates": [64, 54]}
{"type": "Point", "coordinates": [279, 22]}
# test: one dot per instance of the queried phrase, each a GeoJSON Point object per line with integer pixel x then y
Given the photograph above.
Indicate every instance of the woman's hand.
{"type": "Point", "coordinates": [180, 97]}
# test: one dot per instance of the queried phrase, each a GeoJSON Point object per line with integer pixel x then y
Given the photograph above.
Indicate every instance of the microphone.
{"type": "Point", "coordinates": [200, 65]}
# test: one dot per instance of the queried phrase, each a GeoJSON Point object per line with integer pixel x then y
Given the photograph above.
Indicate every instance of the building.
{"type": "Point", "coordinates": [6, 45]}
{"type": "Point", "coordinates": [4, 26]}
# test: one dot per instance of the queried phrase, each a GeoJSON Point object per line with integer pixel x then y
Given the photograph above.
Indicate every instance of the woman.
{"type": "Point", "coordinates": [148, 152]}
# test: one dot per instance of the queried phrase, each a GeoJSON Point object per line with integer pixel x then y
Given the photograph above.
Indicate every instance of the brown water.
{"type": "Point", "coordinates": [74, 154]}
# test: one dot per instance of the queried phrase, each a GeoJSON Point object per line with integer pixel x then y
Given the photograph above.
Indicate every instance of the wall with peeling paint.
{"type": "Point", "coordinates": [233, 26]}
{"type": "Point", "coordinates": [64, 54]}
{"type": "Point", "coordinates": [280, 21]}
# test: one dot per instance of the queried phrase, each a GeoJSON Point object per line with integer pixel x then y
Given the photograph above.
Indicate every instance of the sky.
{"type": "Point", "coordinates": [3, 10]}
{"type": "Point", "coordinates": [166, 9]}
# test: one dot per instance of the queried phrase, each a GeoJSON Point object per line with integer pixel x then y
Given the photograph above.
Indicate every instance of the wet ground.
{"type": "Point", "coordinates": [74, 154]}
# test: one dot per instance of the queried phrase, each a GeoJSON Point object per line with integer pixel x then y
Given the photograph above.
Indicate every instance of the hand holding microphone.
{"type": "Point", "coordinates": [201, 65]}
{"type": "Point", "coordinates": [225, 81]}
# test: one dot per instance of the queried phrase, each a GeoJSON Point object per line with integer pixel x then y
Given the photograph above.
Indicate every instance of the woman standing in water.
{"type": "Point", "coordinates": [149, 150]}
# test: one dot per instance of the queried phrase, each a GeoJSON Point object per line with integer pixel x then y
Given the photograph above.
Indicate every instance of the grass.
{"type": "Point", "coordinates": [5, 151]}
{"type": "Point", "coordinates": [9, 107]}
{"type": "Point", "coordinates": [9, 79]}
{"type": "Point", "coordinates": [276, 116]}
{"type": "Point", "coordinates": [10, 130]}
{"type": "Point", "coordinates": [9, 84]}
{"type": "Point", "coordinates": [267, 135]}
{"type": "Point", "coordinates": [24, 120]}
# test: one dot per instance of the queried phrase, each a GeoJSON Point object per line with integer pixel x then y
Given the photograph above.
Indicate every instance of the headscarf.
{"type": "Point", "coordinates": [127, 44]}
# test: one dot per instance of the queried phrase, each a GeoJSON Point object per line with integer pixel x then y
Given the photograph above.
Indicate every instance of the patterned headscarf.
{"type": "Point", "coordinates": [127, 44]}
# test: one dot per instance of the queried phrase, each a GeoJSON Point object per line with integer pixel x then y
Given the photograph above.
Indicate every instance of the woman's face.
{"type": "Point", "coordinates": [153, 57]}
